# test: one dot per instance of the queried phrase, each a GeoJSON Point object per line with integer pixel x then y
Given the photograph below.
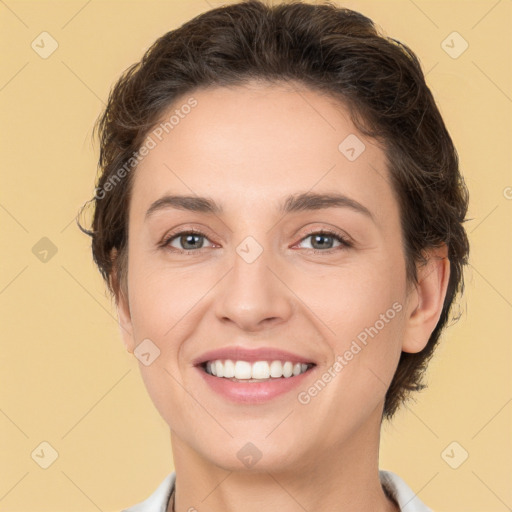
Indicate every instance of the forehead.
{"type": "Point", "coordinates": [252, 145]}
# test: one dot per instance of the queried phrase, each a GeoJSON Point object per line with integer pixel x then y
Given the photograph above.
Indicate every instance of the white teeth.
{"type": "Point", "coordinates": [242, 369]}
{"type": "Point", "coordinates": [276, 369]}
{"type": "Point", "coordinates": [229, 369]}
{"type": "Point", "coordinates": [261, 370]}
{"type": "Point", "coordinates": [219, 369]}
{"type": "Point", "coordinates": [287, 369]}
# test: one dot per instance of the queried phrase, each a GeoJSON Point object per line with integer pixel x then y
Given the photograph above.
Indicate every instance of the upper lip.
{"type": "Point", "coordinates": [251, 355]}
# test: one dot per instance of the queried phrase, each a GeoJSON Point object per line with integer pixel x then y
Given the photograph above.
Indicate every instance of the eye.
{"type": "Point", "coordinates": [190, 241]}
{"type": "Point", "coordinates": [322, 241]}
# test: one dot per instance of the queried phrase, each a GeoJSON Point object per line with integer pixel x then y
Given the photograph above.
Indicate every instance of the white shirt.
{"type": "Point", "coordinates": [405, 497]}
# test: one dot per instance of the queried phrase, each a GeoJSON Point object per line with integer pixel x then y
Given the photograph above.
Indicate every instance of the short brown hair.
{"type": "Point", "coordinates": [332, 50]}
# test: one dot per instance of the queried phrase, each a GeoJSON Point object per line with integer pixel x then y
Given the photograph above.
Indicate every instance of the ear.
{"type": "Point", "coordinates": [123, 308]}
{"type": "Point", "coordinates": [426, 299]}
{"type": "Point", "coordinates": [125, 322]}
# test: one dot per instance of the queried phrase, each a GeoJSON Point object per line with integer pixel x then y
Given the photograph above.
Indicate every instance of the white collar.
{"type": "Point", "coordinates": [405, 497]}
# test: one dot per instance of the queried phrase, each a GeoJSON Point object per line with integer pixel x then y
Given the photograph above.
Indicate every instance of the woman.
{"type": "Point", "coordinates": [279, 218]}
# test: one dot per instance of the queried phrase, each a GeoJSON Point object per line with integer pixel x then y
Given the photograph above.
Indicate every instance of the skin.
{"type": "Point", "coordinates": [247, 147]}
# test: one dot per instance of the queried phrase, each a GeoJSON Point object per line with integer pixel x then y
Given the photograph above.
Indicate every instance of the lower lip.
{"type": "Point", "coordinates": [253, 392]}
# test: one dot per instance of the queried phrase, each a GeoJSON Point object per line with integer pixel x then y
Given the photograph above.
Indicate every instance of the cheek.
{"type": "Point", "coordinates": [349, 300]}
{"type": "Point", "coordinates": [362, 312]}
{"type": "Point", "coordinates": [162, 309]}
{"type": "Point", "coordinates": [161, 295]}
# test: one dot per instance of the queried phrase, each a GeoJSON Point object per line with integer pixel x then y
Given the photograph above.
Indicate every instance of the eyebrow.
{"type": "Point", "coordinates": [294, 203]}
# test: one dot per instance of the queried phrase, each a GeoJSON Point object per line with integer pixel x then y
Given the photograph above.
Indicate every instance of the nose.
{"type": "Point", "coordinates": [254, 295]}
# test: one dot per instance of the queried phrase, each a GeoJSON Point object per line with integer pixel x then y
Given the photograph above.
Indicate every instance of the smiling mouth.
{"type": "Point", "coordinates": [258, 371]}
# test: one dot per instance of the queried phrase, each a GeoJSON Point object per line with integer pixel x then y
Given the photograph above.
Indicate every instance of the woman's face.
{"type": "Point", "coordinates": [259, 276]}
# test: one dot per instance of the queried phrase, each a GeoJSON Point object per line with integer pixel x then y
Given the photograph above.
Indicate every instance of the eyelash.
{"type": "Point", "coordinates": [345, 243]}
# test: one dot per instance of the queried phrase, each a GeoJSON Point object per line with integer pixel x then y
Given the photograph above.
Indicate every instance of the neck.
{"type": "Point", "coordinates": [341, 479]}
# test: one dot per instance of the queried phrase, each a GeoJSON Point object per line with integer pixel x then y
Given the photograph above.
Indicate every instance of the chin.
{"type": "Point", "coordinates": [243, 455]}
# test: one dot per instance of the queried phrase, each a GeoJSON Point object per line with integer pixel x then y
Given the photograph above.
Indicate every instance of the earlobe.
{"type": "Point", "coordinates": [426, 300]}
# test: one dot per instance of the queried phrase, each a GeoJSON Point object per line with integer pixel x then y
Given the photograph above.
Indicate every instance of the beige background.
{"type": "Point", "coordinates": [65, 377]}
